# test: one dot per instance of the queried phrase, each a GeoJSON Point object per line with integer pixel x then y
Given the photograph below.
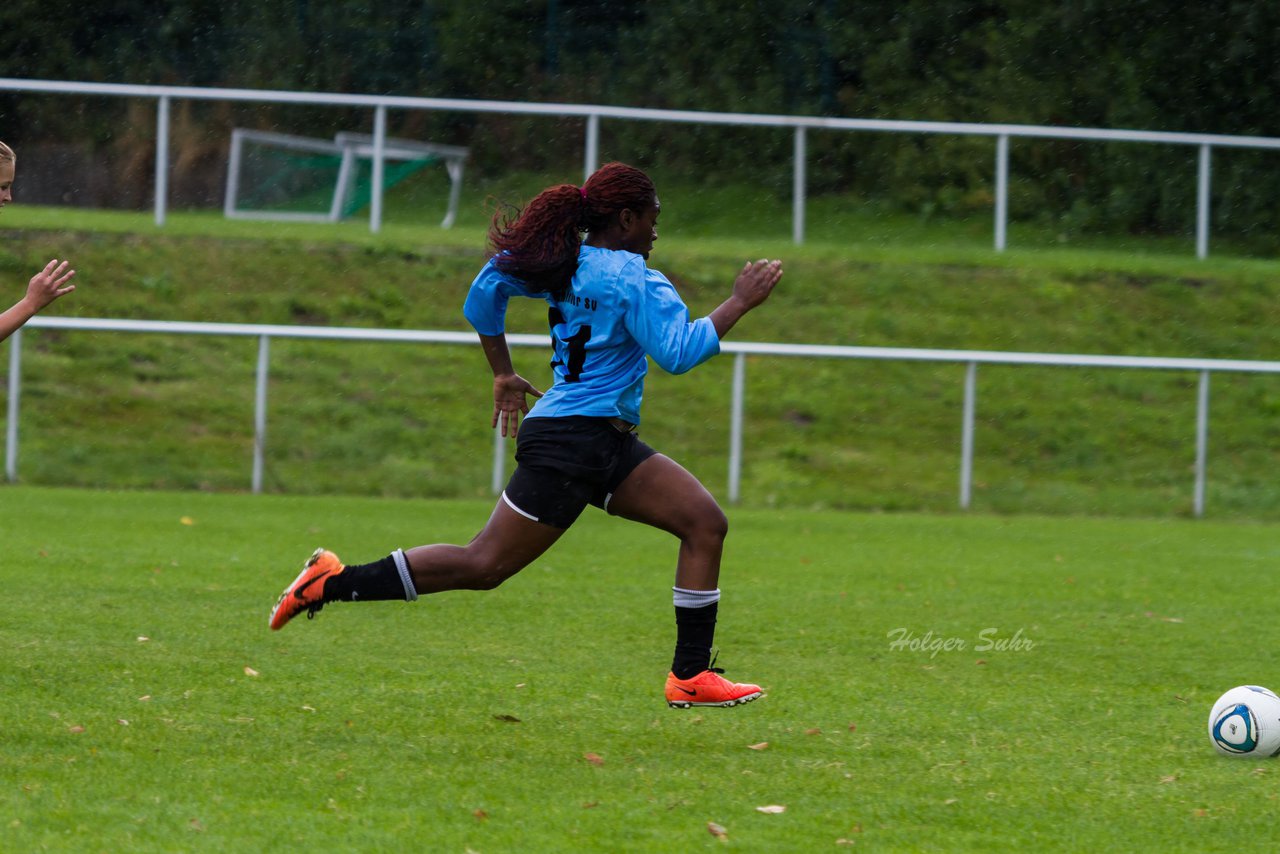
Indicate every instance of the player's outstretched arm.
{"type": "Point", "coordinates": [44, 287]}
{"type": "Point", "coordinates": [752, 287]}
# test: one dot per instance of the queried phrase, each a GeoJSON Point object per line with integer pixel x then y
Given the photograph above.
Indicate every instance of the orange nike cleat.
{"type": "Point", "coordinates": [307, 590]}
{"type": "Point", "coordinates": [709, 688]}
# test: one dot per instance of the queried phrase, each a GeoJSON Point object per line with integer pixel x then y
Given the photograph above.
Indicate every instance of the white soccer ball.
{"type": "Point", "coordinates": [1245, 721]}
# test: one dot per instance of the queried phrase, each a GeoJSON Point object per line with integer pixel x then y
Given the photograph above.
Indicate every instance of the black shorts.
{"type": "Point", "coordinates": [564, 464]}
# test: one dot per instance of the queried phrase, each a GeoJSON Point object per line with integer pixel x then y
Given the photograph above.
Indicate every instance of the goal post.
{"type": "Point", "coordinates": [358, 148]}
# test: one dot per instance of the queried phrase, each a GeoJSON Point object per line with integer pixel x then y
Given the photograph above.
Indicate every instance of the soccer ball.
{"type": "Point", "coordinates": [1246, 722]}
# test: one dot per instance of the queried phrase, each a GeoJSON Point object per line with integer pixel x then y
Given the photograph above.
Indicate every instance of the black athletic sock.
{"type": "Point", "coordinates": [695, 633]}
{"type": "Point", "coordinates": [367, 582]}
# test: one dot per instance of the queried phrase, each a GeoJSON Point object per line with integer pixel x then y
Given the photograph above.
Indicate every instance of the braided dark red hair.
{"type": "Point", "coordinates": [539, 245]}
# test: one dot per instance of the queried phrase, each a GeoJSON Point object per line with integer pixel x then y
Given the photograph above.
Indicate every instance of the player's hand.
{"type": "Point", "coordinates": [510, 401]}
{"type": "Point", "coordinates": [756, 282]}
{"type": "Point", "coordinates": [49, 284]}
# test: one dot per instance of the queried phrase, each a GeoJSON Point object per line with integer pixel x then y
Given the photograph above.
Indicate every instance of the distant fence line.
{"type": "Point", "coordinates": [593, 114]}
{"type": "Point", "coordinates": [971, 359]}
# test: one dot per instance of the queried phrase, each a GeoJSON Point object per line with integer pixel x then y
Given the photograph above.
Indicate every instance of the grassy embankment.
{"type": "Point", "coordinates": [148, 411]}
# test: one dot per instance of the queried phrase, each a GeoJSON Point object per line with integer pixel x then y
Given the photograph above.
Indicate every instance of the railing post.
{"type": "Point", "coordinates": [162, 158]}
{"type": "Point", "coordinates": [499, 461]}
{"type": "Point", "coordinates": [592, 155]}
{"type": "Point", "coordinates": [966, 434]}
{"type": "Point", "coordinates": [735, 426]}
{"type": "Point", "coordinates": [798, 188]}
{"type": "Point", "coordinates": [379, 152]}
{"type": "Point", "coordinates": [1202, 441]}
{"type": "Point", "coordinates": [1002, 190]}
{"type": "Point", "coordinates": [260, 412]}
{"type": "Point", "coordinates": [1202, 205]}
{"type": "Point", "coordinates": [11, 416]}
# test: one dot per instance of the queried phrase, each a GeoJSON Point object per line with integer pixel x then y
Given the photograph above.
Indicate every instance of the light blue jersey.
{"type": "Point", "coordinates": [617, 311]}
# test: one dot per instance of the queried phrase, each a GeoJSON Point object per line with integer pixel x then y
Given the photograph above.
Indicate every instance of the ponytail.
{"type": "Point", "coordinates": [539, 245]}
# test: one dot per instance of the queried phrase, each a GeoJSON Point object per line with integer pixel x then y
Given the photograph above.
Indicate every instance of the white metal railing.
{"type": "Point", "coordinates": [593, 113]}
{"type": "Point", "coordinates": [969, 358]}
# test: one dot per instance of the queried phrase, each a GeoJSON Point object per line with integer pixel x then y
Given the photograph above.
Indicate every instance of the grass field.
{"type": "Point", "coordinates": [1055, 697]}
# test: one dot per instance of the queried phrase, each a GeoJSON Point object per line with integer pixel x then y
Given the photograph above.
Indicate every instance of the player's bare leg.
{"type": "Point", "coordinates": [507, 544]}
{"type": "Point", "coordinates": [662, 494]}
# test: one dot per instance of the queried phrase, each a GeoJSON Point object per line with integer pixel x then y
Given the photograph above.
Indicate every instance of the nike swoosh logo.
{"type": "Point", "coordinates": [687, 691]}
{"type": "Point", "coordinates": [297, 591]}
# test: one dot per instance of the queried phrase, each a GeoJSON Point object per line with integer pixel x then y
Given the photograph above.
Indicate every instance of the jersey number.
{"type": "Point", "coordinates": [577, 348]}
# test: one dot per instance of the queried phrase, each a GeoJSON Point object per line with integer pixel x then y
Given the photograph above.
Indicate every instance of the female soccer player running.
{"type": "Point", "coordinates": [577, 445]}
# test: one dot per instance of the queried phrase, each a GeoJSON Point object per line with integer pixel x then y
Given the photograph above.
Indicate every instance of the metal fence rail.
{"type": "Point", "coordinates": [593, 113]}
{"type": "Point", "coordinates": [971, 359]}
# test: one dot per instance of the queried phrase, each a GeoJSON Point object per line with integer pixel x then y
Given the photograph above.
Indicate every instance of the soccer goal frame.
{"type": "Point", "coordinates": [351, 148]}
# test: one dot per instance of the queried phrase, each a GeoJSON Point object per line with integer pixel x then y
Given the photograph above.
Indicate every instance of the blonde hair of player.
{"type": "Point", "coordinates": [45, 286]}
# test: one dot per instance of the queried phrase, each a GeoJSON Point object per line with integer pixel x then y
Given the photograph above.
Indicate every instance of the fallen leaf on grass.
{"type": "Point", "coordinates": [1169, 778]}
{"type": "Point", "coordinates": [590, 805]}
{"type": "Point", "coordinates": [196, 825]}
{"type": "Point", "coordinates": [143, 638]}
{"type": "Point", "coordinates": [187, 520]}
{"type": "Point", "coordinates": [594, 758]}
{"type": "Point", "coordinates": [772, 809]}
{"type": "Point", "coordinates": [480, 815]}
{"type": "Point", "coordinates": [77, 729]}
{"type": "Point", "coordinates": [122, 722]}
{"type": "Point", "coordinates": [249, 671]}
{"type": "Point", "coordinates": [511, 719]}
{"type": "Point", "coordinates": [144, 698]}
{"type": "Point", "coordinates": [759, 746]}
{"type": "Point", "coordinates": [718, 831]}
{"type": "Point", "coordinates": [308, 708]}
{"type": "Point", "coordinates": [813, 731]}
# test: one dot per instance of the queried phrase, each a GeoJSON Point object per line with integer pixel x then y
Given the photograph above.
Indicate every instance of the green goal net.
{"type": "Point", "coordinates": [285, 177]}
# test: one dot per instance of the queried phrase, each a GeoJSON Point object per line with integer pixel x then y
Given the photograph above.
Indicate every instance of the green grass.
{"type": "Point", "coordinates": [131, 411]}
{"type": "Point", "coordinates": [468, 721]}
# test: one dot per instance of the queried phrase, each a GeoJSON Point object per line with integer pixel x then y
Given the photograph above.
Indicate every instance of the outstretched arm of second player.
{"type": "Point", "coordinates": [752, 287]}
{"type": "Point", "coordinates": [44, 287]}
{"type": "Point", "coordinates": [509, 388]}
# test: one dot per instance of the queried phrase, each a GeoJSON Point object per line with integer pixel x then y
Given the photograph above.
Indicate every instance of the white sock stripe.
{"type": "Point", "coordinates": [517, 509]}
{"type": "Point", "coordinates": [683, 598]}
{"type": "Point", "coordinates": [402, 566]}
